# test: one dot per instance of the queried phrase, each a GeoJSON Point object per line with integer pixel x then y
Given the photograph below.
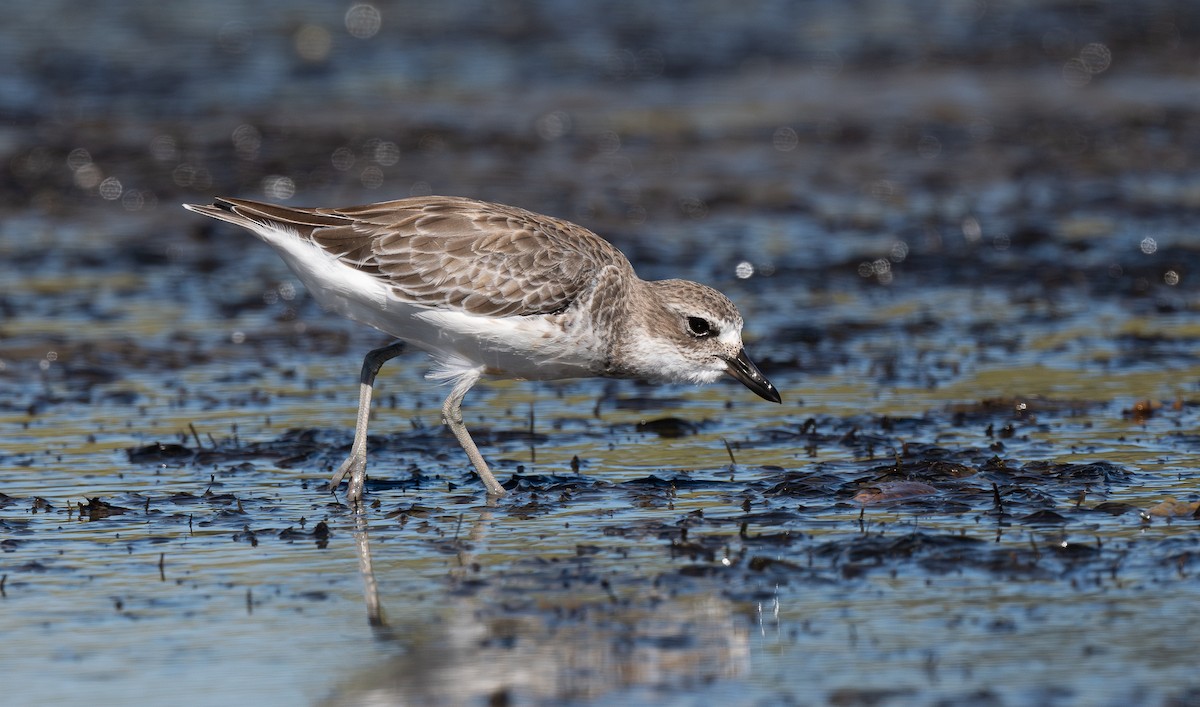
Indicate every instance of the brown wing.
{"type": "Point", "coordinates": [450, 252]}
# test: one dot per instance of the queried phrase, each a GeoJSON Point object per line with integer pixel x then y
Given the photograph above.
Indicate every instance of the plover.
{"type": "Point", "coordinates": [494, 290]}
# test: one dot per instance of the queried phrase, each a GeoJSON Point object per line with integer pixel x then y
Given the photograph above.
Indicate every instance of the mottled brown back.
{"type": "Point", "coordinates": [443, 252]}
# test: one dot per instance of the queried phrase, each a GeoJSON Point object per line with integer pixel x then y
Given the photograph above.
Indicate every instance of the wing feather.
{"type": "Point", "coordinates": [451, 252]}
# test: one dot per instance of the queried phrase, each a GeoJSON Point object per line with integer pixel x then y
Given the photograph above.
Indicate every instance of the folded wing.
{"type": "Point", "coordinates": [450, 253]}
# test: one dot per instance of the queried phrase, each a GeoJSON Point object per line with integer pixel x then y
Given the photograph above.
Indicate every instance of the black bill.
{"type": "Point", "coordinates": [744, 370]}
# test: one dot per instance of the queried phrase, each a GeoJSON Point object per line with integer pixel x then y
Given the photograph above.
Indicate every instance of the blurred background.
{"type": "Point", "coordinates": [966, 229]}
{"type": "Point", "coordinates": [787, 151]}
{"type": "Point", "coordinates": [842, 144]}
{"type": "Point", "coordinates": [901, 119]}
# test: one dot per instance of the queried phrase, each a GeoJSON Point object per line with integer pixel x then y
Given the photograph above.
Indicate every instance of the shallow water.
{"type": "Point", "coordinates": [963, 244]}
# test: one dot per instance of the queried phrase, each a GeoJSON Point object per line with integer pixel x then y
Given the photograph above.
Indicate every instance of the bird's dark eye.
{"type": "Point", "coordinates": [699, 327]}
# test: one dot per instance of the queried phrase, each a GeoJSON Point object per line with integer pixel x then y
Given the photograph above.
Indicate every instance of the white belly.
{"type": "Point", "coordinates": [537, 347]}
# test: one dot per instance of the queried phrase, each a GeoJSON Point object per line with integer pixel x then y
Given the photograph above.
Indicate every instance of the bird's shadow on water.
{"type": "Point", "coordinates": [656, 594]}
{"type": "Point", "coordinates": [545, 629]}
{"type": "Point", "coordinates": [589, 582]}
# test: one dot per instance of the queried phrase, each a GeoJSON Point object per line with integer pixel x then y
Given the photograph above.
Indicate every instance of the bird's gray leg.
{"type": "Point", "coordinates": [356, 464]}
{"type": "Point", "coordinates": [452, 414]}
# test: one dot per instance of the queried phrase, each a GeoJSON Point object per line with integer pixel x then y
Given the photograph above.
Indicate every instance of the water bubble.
{"type": "Point", "coordinates": [164, 149]}
{"type": "Point", "coordinates": [78, 157]}
{"type": "Point", "coordinates": [278, 187]}
{"type": "Point", "coordinates": [1075, 73]}
{"type": "Point", "coordinates": [133, 200]}
{"type": "Point", "coordinates": [237, 337]}
{"type": "Point", "coordinates": [247, 141]}
{"type": "Point", "coordinates": [110, 189]}
{"type": "Point", "coordinates": [51, 355]}
{"type": "Point", "coordinates": [312, 43]}
{"type": "Point", "coordinates": [929, 147]}
{"type": "Point", "coordinates": [1171, 278]}
{"type": "Point", "coordinates": [883, 189]}
{"type": "Point", "coordinates": [553, 125]}
{"type": "Point", "coordinates": [387, 153]}
{"type": "Point", "coordinates": [899, 252]}
{"type": "Point", "coordinates": [744, 270]}
{"type": "Point", "coordinates": [880, 269]}
{"type": "Point", "coordinates": [420, 189]}
{"type": "Point", "coordinates": [342, 159]}
{"type": "Point", "coordinates": [1001, 241]}
{"type": "Point", "coordinates": [184, 175]}
{"type": "Point", "coordinates": [363, 21]}
{"type": "Point", "coordinates": [88, 176]}
{"type": "Point", "coordinates": [188, 175]}
{"type": "Point", "coordinates": [785, 139]}
{"type": "Point", "coordinates": [1095, 57]}
{"type": "Point", "coordinates": [371, 177]}
{"type": "Point", "coordinates": [621, 64]}
{"type": "Point", "coordinates": [287, 291]}
{"type": "Point", "coordinates": [1148, 245]}
{"type": "Point", "coordinates": [618, 167]}
{"type": "Point", "coordinates": [609, 142]}
{"type": "Point", "coordinates": [971, 229]}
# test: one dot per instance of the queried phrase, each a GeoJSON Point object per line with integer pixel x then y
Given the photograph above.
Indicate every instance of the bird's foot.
{"type": "Point", "coordinates": [356, 466]}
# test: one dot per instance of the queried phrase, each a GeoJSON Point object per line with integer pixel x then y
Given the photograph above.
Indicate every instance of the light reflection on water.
{"type": "Point", "coordinates": [282, 622]}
